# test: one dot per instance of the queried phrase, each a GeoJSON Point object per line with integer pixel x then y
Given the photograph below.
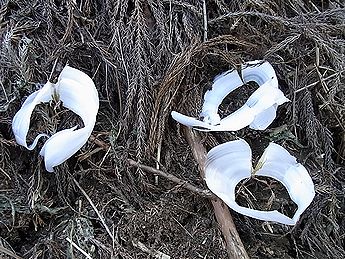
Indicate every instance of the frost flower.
{"type": "Point", "coordinates": [258, 112]}
{"type": "Point", "coordinates": [231, 162]}
{"type": "Point", "coordinates": [78, 93]}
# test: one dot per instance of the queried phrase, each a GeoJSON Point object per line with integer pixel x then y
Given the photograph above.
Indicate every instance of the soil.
{"type": "Point", "coordinates": [148, 58]}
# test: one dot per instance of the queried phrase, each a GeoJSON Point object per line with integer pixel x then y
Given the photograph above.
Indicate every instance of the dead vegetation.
{"type": "Point", "coordinates": [147, 58]}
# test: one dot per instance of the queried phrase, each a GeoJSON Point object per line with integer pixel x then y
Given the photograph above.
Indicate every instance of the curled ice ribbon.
{"type": "Point", "coordinates": [78, 93]}
{"type": "Point", "coordinates": [258, 112]}
{"type": "Point", "coordinates": [230, 163]}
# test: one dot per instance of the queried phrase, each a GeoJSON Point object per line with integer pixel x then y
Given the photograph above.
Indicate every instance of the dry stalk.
{"type": "Point", "coordinates": [233, 241]}
{"type": "Point", "coordinates": [182, 183]}
{"type": "Point", "coordinates": [153, 253]}
{"type": "Point", "coordinates": [78, 248]}
{"type": "Point", "coordinates": [9, 253]}
{"type": "Point", "coordinates": [101, 218]}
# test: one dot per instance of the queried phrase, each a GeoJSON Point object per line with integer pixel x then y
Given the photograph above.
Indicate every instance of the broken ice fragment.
{"type": "Point", "coordinates": [78, 93]}
{"type": "Point", "coordinates": [229, 163]}
{"type": "Point", "coordinates": [258, 112]}
{"type": "Point", "coordinates": [21, 121]}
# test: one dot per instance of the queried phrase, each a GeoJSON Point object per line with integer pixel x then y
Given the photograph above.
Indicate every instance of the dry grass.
{"type": "Point", "coordinates": [148, 58]}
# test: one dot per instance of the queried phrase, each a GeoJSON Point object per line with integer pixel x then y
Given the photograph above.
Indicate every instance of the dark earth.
{"type": "Point", "coordinates": [148, 58]}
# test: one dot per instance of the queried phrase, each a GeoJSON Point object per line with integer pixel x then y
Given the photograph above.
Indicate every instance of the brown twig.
{"type": "Point", "coordinates": [205, 19]}
{"type": "Point", "coordinates": [233, 241]}
{"type": "Point", "coordinates": [234, 244]}
{"type": "Point", "coordinates": [101, 218]}
{"type": "Point", "coordinates": [185, 184]}
{"type": "Point", "coordinates": [9, 253]}
{"type": "Point", "coordinates": [152, 252]}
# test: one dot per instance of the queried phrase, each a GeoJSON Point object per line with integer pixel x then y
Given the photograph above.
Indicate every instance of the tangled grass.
{"type": "Point", "coordinates": [148, 58]}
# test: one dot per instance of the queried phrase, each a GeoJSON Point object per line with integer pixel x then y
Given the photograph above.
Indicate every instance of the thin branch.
{"type": "Point", "coordinates": [95, 209]}
{"type": "Point", "coordinates": [9, 253]}
{"type": "Point", "coordinates": [233, 241]}
{"type": "Point", "coordinates": [205, 19]}
{"type": "Point", "coordinates": [153, 253]}
{"type": "Point", "coordinates": [78, 248]}
{"type": "Point", "coordinates": [182, 183]}
{"type": "Point", "coordinates": [317, 82]}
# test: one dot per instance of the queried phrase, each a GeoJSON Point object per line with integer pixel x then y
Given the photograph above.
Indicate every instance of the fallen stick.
{"type": "Point", "coordinates": [182, 183]}
{"type": "Point", "coordinates": [78, 248]}
{"type": "Point", "coordinates": [9, 253]}
{"type": "Point", "coordinates": [233, 241]}
{"type": "Point", "coordinates": [153, 253]}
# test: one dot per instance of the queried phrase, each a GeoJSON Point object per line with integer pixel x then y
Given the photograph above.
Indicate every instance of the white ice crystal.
{"type": "Point", "coordinates": [258, 112]}
{"type": "Point", "coordinates": [230, 163]}
{"type": "Point", "coordinates": [77, 92]}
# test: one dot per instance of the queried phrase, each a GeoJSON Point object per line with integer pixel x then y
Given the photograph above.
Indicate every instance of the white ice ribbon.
{"type": "Point", "coordinates": [231, 162]}
{"type": "Point", "coordinates": [78, 93]}
{"type": "Point", "coordinates": [258, 112]}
